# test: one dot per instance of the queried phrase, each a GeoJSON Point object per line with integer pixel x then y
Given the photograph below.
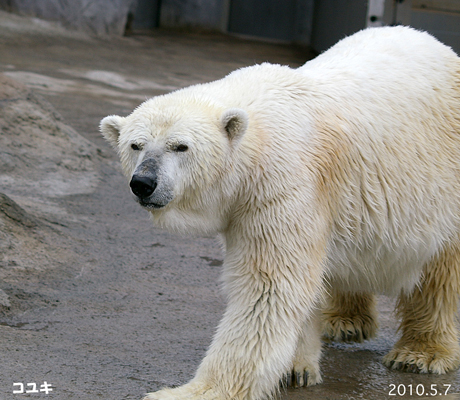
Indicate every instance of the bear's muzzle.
{"type": "Point", "coordinates": [148, 188]}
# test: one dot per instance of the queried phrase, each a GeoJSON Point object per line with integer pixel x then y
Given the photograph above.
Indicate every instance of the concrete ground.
{"type": "Point", "coordinates": [93, 299]}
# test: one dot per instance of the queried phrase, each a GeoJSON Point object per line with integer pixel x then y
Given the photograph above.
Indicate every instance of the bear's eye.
{"type": "Point", "coordinates": [181, 148]}
{"type": "Point", "coordinates": [135, 147]}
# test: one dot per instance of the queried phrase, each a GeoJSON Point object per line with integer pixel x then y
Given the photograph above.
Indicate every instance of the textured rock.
{"type": "Point", "coordinates": [40, 154]}
{"type": "Point", "coordinates": [102, 17]}
{"type": "Point", "coordinates": [41, 160]}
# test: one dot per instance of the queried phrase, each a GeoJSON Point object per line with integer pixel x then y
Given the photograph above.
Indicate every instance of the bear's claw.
{"type": "Point", "coordinates": [356, 329]}
{"type": "Point", "coordinates": [400, 366]}
{"type": "Point", "coordinates": [296, 379]}
{"type": "Point", "coordinates": [423, 358]}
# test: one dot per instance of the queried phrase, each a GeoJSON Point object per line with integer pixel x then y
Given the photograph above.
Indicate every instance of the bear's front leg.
{"type": "Point", "coordinates": [305, 368]}
{"type": "Point", "coordinates": [192, 390]}
{"type": "Point", "coordinates": [255, 343]}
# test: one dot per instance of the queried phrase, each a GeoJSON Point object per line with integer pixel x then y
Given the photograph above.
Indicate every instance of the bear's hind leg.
{"type": "Point", "coordinates": [429, 342]}
{"type": "Point", "coordinates": [350, 317]}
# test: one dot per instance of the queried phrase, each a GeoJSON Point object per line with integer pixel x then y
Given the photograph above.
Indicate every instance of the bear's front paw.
{"type": "Point", "coordinates": [356, 328]}
{"type": "Point", "coordinates": [190, 391]}
{"type": "Point", "coordinates": [421, 357]}
{"type": "Point", "coordinates": [305, 374]}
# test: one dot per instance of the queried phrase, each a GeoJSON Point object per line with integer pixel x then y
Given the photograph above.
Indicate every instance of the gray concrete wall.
{"type": "Point", "coordinates": [110, 17]}
{"type": "Point", "coordinates": [335, 19]}
{"type": "Point", "coordinates": [215, 15]}
{"type": "Point", "coordinates": [304, 22]}
{"type": "Point", "coordinates": [100, 17]}
{"type": "Point", "coordinates": [205, 14]}
{"type": "Point", "coordinates": [443, 25]}
{"type": "Point", "coordinates": [287, 21]}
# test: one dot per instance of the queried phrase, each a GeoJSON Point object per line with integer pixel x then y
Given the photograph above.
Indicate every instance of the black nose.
{"type": "Point", "coordinates": [142, 186]}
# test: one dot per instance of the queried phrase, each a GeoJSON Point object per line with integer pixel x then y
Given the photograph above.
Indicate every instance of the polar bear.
{"type": "Point", "coordinates": [328, 184]}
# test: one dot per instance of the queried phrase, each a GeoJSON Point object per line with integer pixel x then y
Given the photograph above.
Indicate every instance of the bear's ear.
{"type": "Point", "coordinates": [234, 122]}
{"type": "Point", "coordinates": [110, 129]}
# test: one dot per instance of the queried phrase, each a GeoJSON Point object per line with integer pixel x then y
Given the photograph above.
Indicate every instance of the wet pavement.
{"type": "Point", "coordinates": [137, 309]}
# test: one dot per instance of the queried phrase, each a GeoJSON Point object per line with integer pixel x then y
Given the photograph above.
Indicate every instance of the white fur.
{"type": "Point", "coordinates": [346, 168]}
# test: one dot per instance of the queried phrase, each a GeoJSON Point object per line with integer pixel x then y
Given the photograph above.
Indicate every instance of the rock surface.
{"type": "Point", "coordinates": [106, 17]}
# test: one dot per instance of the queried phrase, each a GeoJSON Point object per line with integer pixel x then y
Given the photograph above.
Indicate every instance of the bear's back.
{"type": "Point", "coordinates": [393, 94]}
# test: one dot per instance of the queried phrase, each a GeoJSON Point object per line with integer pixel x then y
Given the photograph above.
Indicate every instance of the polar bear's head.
{"type": "Point", "coordinates": [178, 157]}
